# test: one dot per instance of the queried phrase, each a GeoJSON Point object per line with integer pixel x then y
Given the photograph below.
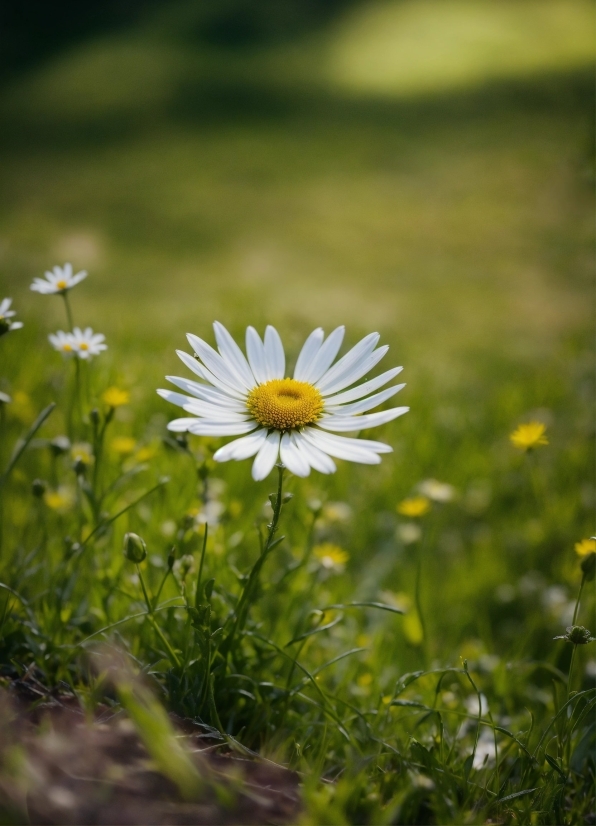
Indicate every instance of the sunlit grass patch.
{"type": "Point", "coordinates": [430, 46]}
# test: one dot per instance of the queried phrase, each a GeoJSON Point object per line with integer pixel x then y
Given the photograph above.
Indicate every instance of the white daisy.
{"type": "Point", "coordinates": [6, 325]}
{"type": "Point", "coordinates": [63, 342]}
{"type": "Point", "coordinates": [59, 280]}
{"type": "Point", "coordinates": [86, 343]}
{"type": "Point", "coordinates": [290, 418]}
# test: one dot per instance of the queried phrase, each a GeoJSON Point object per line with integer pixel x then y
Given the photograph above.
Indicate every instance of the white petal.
{"type": "Point", "coordinates": [207, 394]}
{"type": "Point", "coordinates": [233, 355]}
{"type": "Point", "coordinates": [207, 375]}
{"type": "Point", "coordinates": [364, 389]}
{"type": "Point", "coordinates": [316, 458]}
{"type": "Point", "coordinates": [341, 448]}
{"type": "Point", "coordinates": [366, 444]}
{"type": "Point", "coordinates": [310, 348]}
{"type": "Point", "coordinates": [209, 427]}
{"type": "Point", "coordinates": [41, 286]}
{"type": "Point", "coordinates": [241, 448]}
{"type": "Point", "coordinates": [78, 278]}
{"type": "Point", "coordinates": [274, 354]}
{"type": "Point", "coordinates": [347, 423]}
{"type": "Point", "coordinates": [214, 362]}
{"type": "Point", "coordinates": [179, 425]}
{"type": "Point", "coordinates": [326, 355]}
{"type": "Point", "coordinates": [292, 458]}
{"type": "Point", "coordinates": [266, 457]}
{"type": "Point", "coordinates": [365, 404]}
{"type": "Point", "coordinates": [356, 371]}
{"type": "Point", "coordinates": [352, 357]}
{"type": "Point", "coordinates": [215, 413]}
{"type": "Point", "coordinates": [256, 355]}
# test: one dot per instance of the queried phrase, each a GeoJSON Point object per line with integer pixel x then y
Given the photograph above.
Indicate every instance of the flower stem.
{"type": "Point", "coordinates": [253, 578]}
{"type": "Point", "coordinates": [200, 577]}
{"type": "Point", "coordinates": [577, 601]}
{"type": "Point", "coordinates": [570, 674]}
{"type": "Point", "coordinates": [68, 310]}
{"type": "Point", "coordinates": [77, 397]}
{"type": "Point", "coordinates": [172, 654]}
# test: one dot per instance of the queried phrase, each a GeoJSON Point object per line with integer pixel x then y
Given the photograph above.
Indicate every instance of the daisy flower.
{"type": "Point", "coordinates": [6, 325]}
{"type": "Point", "coordinates": [86, 343]}
{"type": "Point", "coordinates": [63, 342]}
{"type": "Point", "coordinates": [294, 419]}
{"type": "Point", "coordinates": [59, 280]}
{"type": "Point", "coordinates": [82, 343]}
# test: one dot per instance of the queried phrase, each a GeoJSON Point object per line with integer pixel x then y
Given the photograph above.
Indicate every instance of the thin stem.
{"type": "Point", "coordinates": [577, 601]}
{"type": "Point", "coordinates": [77, 390]}
{"type": "Point", "coordinates": [154, 625]}
{"type": "Point", "coordinates": [200, 577]}
{"type": "Point", "coordinates": [68, 310]}
{"type": "Point", "coordinates": [570, 675]}
{"type": "Point", "coordinates": [251, 583]}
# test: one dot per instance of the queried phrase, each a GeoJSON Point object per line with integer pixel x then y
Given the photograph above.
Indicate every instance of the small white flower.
{"type": "Point", "coordinates": [59, 280]}
{"type": "Point", "coordinates": [63, 342]}
{"type": "Point", "coordinates": [409, 532]}
{"type": "Point", "coordinates": [437, 491]}
{"type": "Point", "coordinates": [80, 343]}
{"type": "Point", "coordinates": [6, 325]}
{"type": "Point", "coordinates": [86, 343]}
{"type": "Point", "coordinates": [288, 418]}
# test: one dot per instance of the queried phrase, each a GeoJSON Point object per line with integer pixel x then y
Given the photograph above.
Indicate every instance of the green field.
{"type": "Point", "coordinates": [445, 203]}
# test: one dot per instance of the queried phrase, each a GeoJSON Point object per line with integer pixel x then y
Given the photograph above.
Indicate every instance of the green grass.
{"type": "Point", "coordinates": [458, 226]}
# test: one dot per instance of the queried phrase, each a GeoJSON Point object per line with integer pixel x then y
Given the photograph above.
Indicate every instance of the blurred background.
{"type": "Point", "coordinates": [420, 167]}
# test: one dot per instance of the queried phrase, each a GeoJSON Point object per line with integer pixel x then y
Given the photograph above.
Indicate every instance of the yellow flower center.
{"type": "Point", "coordinates": [83, 345]}
{"type": "Point", "coordinates": [62, 285]}
{"type": "Point", "coordinates": [67, 347]}
{"type": "Point", "coordinates": [285, 404]}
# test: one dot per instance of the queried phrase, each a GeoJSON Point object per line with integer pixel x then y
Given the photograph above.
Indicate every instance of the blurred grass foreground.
{"type": "Point", "coordinates": [423, 168]}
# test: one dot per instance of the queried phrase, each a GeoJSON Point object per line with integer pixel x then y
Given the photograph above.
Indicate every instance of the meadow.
{"type": "Point", "coordinates": [396, 650]}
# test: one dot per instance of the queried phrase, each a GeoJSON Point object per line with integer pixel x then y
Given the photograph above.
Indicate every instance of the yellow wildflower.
{"type": "Point", "coordinates": [414, 506]}
{"type": "Point", "coordinates": [365, 679]}
{"type": "Point", "coordinates": [22, 407]}
{"type": "Point", "coordinates": [331, 556]}
{"type": "Point", "coordinates": [528, 436]}
{"type": "Point", "coordinates": [123, 445]}
{"type": "Point", "coordinates": [586, 546]}
{"type": "Point", "coordinates": [60, 500]}
{"type": "Point", "coordinates": [146, 453]}
{"type": "Point", "coordinates": [114, 397]}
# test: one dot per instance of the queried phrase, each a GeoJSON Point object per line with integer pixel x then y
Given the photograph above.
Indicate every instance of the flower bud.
{"type": "Point", "coordinates": [61, 444]}
{"type": "Point", "coordinates": [94, 416]}
{"type": "Point", "coordinates": [79, 467]}
{"type": "Point", "coordinates": [577, 635]}
{"type": "Point", "coordinates": [286, 498]}
{"type": "Point", "coordinates": [134, 548]}
{"type": "Point", "coordinates": [38, 488]}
